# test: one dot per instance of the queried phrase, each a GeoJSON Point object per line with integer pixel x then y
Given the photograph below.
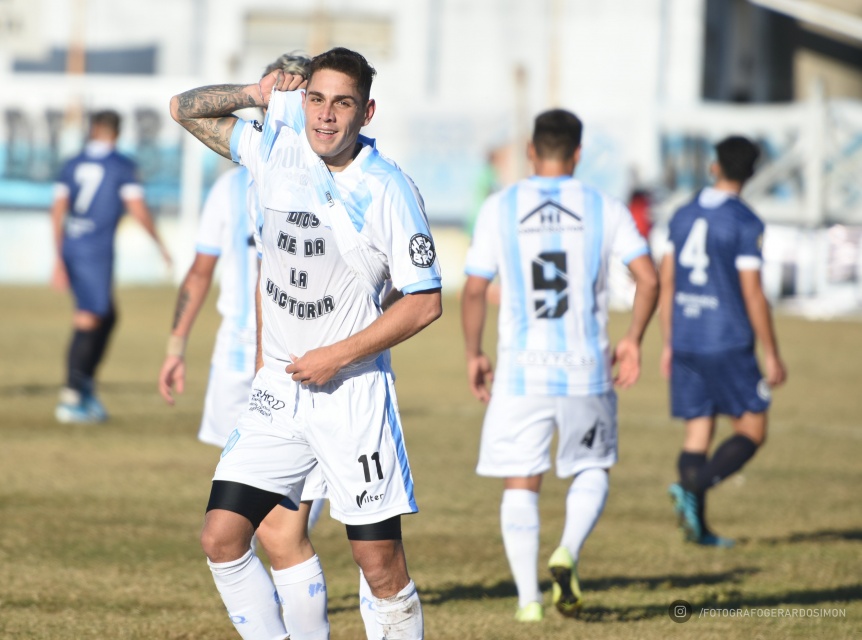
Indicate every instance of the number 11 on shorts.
{"type": "Point", "coordinates": [363, 459]}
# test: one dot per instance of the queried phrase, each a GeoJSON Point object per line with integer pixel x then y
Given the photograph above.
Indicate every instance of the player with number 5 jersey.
{"type": "Point", "coordinates": [712, 308]}
{"type": "Point", "coordinates": [550, 238]}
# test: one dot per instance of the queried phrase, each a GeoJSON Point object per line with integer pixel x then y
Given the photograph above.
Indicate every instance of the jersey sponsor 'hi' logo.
{"type": "Point", "coordinates": [422, 252]}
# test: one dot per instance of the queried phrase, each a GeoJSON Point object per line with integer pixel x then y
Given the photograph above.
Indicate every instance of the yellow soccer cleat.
{"type": "Point", "coordinates": [533, 612]}
{"type": "Point", "coordinates": [567, 596]}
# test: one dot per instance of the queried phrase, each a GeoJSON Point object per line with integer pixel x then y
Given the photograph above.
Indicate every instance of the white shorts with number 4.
{"type": "Point", "coordinates": [517, 433]}
{"type": "Point", "coordinates": [348, 429]}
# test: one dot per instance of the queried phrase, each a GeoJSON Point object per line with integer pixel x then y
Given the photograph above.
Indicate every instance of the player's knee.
{"type": "Point", "coordinates": [378, 550]}
{"type": "Point", "coordinates": [219, 545]}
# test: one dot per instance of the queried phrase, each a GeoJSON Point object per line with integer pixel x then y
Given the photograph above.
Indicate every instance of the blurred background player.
{"type": "Point", "coordinates": [712, 309]}
{"type": "Point", "coordinates": [550, 239]}
{"type": "Point", "coordinates": [92, 193]}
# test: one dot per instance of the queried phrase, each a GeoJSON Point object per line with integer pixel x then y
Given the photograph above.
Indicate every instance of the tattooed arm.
{"type": "Point", "coordinates": [190, 299]}
{"type": "Point", "coordinates": [206, 112]}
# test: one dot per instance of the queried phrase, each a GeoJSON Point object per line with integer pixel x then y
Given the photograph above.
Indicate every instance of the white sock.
{"type": "Point", "coordinates": [314, 512]}
{"type": "Point", "coordinates": [249, 596]}
{"type": "Point", "coordinates": [400, 616]}
{"type": "Point", "coordinates": [302, 593]}
{"type": "Point", "coordinates": [368, 610]}
{"type": "Point", "coordinates": [584, 505]}
{"type": "Point", "coordinates": [519, 521]}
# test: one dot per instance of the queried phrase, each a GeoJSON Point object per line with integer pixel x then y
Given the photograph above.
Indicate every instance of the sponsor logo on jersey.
{"type": "Point", "coordinates": [568, 359]}
{"type": "Point", "coordinates": [552, 218]}
{"type": "Point", "coordinates": [422, 252]}
{"type": "Point", "coordinates": [264, 403]}
{"type": "Point", "coordinates": [693, 304]}
{"type": "Point", "coordinates": [366, 498]}
{"type": "Point", "coordinates": [258, 126]}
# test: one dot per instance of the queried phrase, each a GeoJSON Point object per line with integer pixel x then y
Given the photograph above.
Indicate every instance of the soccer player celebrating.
{"type": "Point", "coordinates": [550, 239]}
{"type": "Point", "coordinates": [712, 309]}
{"type": "Point", "coordinates": [93, 191]}
{"type": "Point", "coordinates": [339, 219]}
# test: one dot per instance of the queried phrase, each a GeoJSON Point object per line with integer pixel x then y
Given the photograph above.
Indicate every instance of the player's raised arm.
{"type": "Point", "coordinates": [206, 112]}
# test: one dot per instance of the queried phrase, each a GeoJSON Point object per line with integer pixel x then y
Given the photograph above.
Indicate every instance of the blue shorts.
{"type": "Point", "coordinates": [91, 281]}
{"type": "Point", "coordinates": [707, 384]}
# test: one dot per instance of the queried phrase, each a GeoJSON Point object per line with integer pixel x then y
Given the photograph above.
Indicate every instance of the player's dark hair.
{"type": "Point", "coordinates": [107, 118]}
{"type": "Point", "coordinates": [348, 62]}
{"type": "Point", "coordinates": [557, 134]}
{"type": "Point", "coordinates": [737, 156]}
{"type": "Point", "coordinates": [293, 62]}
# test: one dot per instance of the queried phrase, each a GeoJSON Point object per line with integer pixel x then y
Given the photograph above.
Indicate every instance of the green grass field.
{"type": "Point", "coordinates": [99, 525]}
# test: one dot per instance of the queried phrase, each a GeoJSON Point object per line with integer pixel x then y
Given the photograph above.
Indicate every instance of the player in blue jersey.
{"type": "Point", "coordinates": [93, 191]}
{"type": "Point", "coordinates": [712, 310]}
{"type": "Point", "coordinates": [550, 239]}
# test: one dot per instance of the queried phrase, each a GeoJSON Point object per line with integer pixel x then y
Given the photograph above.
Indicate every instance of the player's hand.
{"type": "Point", "coordinates": [172, 376]}
{"type": "Point", "coordinates": [627, 356]}
{"type": "Point", "coordinates": [665, 362]}
{"type": "Point", "coordinates": [278, 80]}
{"type": "Point", "coordinates": [480, 375]}
{"type": "Point", "coordinates": [776, 372]}
{"type": "Point", "coordinates": [59, 277]}
{"type": "Point", "coordinates": [316, 367]}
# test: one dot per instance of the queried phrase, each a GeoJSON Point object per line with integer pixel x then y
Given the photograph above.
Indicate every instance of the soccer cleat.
{"type": "Point", "coordinates": [72, 409]}
{"type": "Point", "coordinates": [533, 612]}
{"type": "Point", "coordinates": [685, 503]}
{"type": "Point", "coordinates": [709, 539]}
{"type": "Point", "coordinates": [94, 407]}
{"type": "Point", "coordinates": [567, 596]}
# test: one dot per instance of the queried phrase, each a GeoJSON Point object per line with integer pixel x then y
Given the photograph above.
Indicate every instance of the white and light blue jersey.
{"type": "Point", "coordinates": [226, 230]}
{"type": "Point", "coordinates": [311, 296]}
{"type": "Point", "coordinates": [713, 238]}
{"type": "Point", "coordinates": [551, 240]}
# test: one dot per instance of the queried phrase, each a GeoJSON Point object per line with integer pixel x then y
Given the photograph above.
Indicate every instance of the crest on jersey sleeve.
{"type": "Point", "coordinates": [422, 252]}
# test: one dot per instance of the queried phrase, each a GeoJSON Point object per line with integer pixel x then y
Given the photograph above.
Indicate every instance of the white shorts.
{"type": "Point", "coordinates": [517, 432]}
{"type": "Point", "coordinates": [231, 374]}
{"type": "Point", "coordinates": [350, 429]}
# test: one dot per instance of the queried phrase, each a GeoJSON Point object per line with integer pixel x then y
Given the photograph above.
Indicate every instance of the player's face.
{"type": "Point", "coordinates": [334, 114]}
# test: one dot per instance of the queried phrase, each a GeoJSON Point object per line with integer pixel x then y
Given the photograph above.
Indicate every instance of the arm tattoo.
{"type": "Point", "coordinates": [206, 113]}
{"type": "Point", "coordinates": [182, 303]}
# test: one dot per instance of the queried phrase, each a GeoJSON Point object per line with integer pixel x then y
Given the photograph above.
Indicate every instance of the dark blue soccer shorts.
{"type": "Point", "coordinates": [728, 383]}
{"type": "Point", "coordinates": [91, 281]}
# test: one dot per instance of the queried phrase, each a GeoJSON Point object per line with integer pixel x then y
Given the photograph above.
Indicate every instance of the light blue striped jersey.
{"type": "Point", "coordinates": [226, 230]}
{"type": "Point", "coordinates": [551, 240]}
{"type": "Point", "coordinates": [311, 295]}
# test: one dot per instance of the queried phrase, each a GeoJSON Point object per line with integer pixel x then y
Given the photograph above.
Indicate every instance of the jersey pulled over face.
{"type": "Point", "coordinates": [713, 238]}
{"type": "Point", "coordinates": [550, 241]}
{"type": "Point", "coordinates": [311, 297]}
